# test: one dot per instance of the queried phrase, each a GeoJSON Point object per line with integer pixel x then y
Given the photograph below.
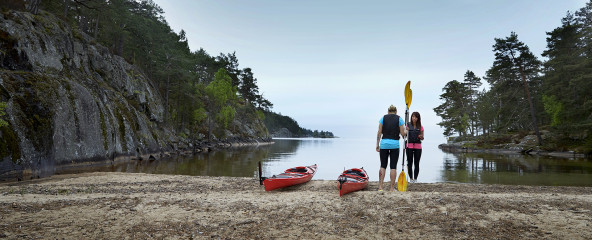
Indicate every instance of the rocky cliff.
{"type": "Point", "coordinates": [70, 101]}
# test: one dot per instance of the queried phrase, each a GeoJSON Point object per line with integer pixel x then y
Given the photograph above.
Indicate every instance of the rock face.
{"type": "Point", "coordinates": [70, 101]}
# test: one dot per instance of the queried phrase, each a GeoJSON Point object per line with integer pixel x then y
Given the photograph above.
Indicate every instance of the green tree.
{"type": "Point", "coordinates": [226, 115]}
{"type": "Point", "coordinates": [453, 110]}
{"type": "Point", "coordinates": [199, 115]}
{"type": "Point", "coordinates": [584, 19]}
{"type": "Point", "coordinates": [472, 82]}
{"type": "Point", "coordinates": [250, 91]}
{"type": "Point", "coordinates": [553, 108]}
{"type": "Point", "coordinates": [222, 95]}
{"type": "Point", "coordinates": [204, 67]}
{"type": "Point", "coordinates": [562, 71]}
{"type": "Point", "coordinates": [276, 121]}
{"type": "Point", "coordinates": [584, 80]}
{"type": "Point", "coordinates": [230, 63]}
{"type": "Point", "coordinates": [486, 108]}
{"type": "Point", "coordinates": [263, 104]}
{"type": "Point", "coordinates": [514, 62]}
{"type": "Point", "coordinates": [248, 86]}
{"type": "Point", "coordinates": [221, 89]}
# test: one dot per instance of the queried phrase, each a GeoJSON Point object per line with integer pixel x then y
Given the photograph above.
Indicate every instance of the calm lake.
{"type": "Point", "coordinates": [334, 155]}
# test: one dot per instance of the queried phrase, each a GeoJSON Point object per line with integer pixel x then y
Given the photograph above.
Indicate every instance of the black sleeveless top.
{"type": "Point", "coordinates": [390, 127]}
{"type": "Point", "coordinates": [414, 134]}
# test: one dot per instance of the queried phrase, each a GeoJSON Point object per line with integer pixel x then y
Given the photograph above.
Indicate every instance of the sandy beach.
{"type": "Point", "coordinates": [147, 206]}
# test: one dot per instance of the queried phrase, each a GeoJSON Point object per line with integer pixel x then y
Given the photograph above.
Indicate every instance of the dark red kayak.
{"type": "Point", "coordinates": [292, 176]}
{"type": "Point", "coordinates": [352, 180]}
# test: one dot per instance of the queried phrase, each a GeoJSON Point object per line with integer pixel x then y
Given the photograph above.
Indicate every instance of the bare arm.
{"type": "Point", "coordinates": [403, 130]}
{"type": "Point", "coordinates": [378, 135]}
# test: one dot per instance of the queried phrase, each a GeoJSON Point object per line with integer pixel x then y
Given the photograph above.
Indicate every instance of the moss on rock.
{"type": "Point", "coordinates": [9, 145]}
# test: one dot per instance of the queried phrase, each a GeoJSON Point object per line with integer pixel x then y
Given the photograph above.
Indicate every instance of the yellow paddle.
{"type": "Point", "coordinates": [402, 181]}
{"type": "Point", "coordinates": [408, 94]}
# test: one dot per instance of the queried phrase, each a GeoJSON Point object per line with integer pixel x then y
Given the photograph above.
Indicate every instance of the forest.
{"type": "Point", "coordinates": [276, 121]}
{"type": "Point", "coordinates": [527, 93]}
{"type": "Point", "coordinates": [199, 89]}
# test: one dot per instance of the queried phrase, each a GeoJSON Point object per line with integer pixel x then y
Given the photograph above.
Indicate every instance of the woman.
{"type": "Point", "coordinates": [415, 131]}
{"type": "Point", "coordinates": [390, 128]}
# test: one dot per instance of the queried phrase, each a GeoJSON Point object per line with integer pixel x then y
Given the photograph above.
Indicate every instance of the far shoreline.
{"type": "Point", "coordinates": [459, 148]}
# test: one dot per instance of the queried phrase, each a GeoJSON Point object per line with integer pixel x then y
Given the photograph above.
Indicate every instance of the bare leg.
{"type": "Point", "coordinates": [381, 173]}
{"type": "Point", "coordinates": [393, 178]}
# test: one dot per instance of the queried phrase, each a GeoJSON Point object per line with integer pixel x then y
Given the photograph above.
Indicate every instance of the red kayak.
{"type": "Point", "coordinates": [352, 180]}
{"type": "Point", "coordinates": [290, 177]}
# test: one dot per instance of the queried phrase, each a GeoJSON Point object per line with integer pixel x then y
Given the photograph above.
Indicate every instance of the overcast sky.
{"type": "Point", "coordinates": [338, 65]}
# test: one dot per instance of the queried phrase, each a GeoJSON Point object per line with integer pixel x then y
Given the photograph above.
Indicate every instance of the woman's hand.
{"type": "Point", "coordinates": [377, 148]}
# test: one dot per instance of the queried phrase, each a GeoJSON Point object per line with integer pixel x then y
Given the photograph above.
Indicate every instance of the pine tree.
{"type": "Point", "coordinates": [454, 109]}
{"type": "Point", "coordinates": [514, 63]}
{"type": "Point", "coordinates": [564, 57]}
{"type": "Point", "coordinates": [472, 82]}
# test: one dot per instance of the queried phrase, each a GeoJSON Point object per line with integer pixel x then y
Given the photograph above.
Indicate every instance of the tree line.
{"type": "Point", "coordinates": [526, 92]}
{"type": "Point", "coordinates": [198, 89]}
{"type": "Point", "coordinates": [276, 121]}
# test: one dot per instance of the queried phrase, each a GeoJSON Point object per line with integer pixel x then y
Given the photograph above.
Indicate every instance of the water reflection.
{"type": "Point", "coordinates": [282, 149]}
{"type": "Point", "coordinates": [335, 155]}
{"type": "Point", "coordinates": [237, 162]}
{"type": "Point", "coordinates": [287, 153]}
{"type": "Point", "coordinates": [516, 169]}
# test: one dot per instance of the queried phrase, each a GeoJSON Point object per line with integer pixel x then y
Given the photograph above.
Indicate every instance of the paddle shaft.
{"type": "Point", "coordinates": [408, 97]}
{"type": "Point", "coordinates": [405, 138]}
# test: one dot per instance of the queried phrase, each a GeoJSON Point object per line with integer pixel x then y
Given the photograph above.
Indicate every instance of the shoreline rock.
{"type": "Point", "coordinates": [114, 159]}
{"type": "Point", "coordinates": [460, 148]}
{"type": "Point", "coordinates": [516, 143]}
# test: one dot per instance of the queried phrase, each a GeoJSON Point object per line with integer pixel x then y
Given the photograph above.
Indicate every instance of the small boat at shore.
{"type": "Point", "coordinates": [352, 180]}
{"type": "Point", "coordinates": [290, 177]}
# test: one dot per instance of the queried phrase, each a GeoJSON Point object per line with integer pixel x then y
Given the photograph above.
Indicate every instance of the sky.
{"type": "Point", "coordinates": [338, 65]}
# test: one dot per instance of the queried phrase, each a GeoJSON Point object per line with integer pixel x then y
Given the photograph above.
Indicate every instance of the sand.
{"type": "Point", "coordinates": [148, 206]}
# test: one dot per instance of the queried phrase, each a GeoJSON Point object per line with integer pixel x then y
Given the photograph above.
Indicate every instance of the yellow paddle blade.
{"type": "Point", "coordinates": [402, 182]}
{"type": "Point", "coordinates": [408, 94]}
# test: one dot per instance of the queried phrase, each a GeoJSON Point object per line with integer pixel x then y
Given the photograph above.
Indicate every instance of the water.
{"type": "Point", "coordinates": [335, 155]}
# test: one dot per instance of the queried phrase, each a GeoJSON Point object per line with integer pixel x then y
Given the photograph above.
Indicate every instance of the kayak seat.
{"type": "Point", "coordinates": [356, 173]}
{"type": "Point", "coordinates": [288, 175]}
{"type": "Point", "coordinates": [297, 169]}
